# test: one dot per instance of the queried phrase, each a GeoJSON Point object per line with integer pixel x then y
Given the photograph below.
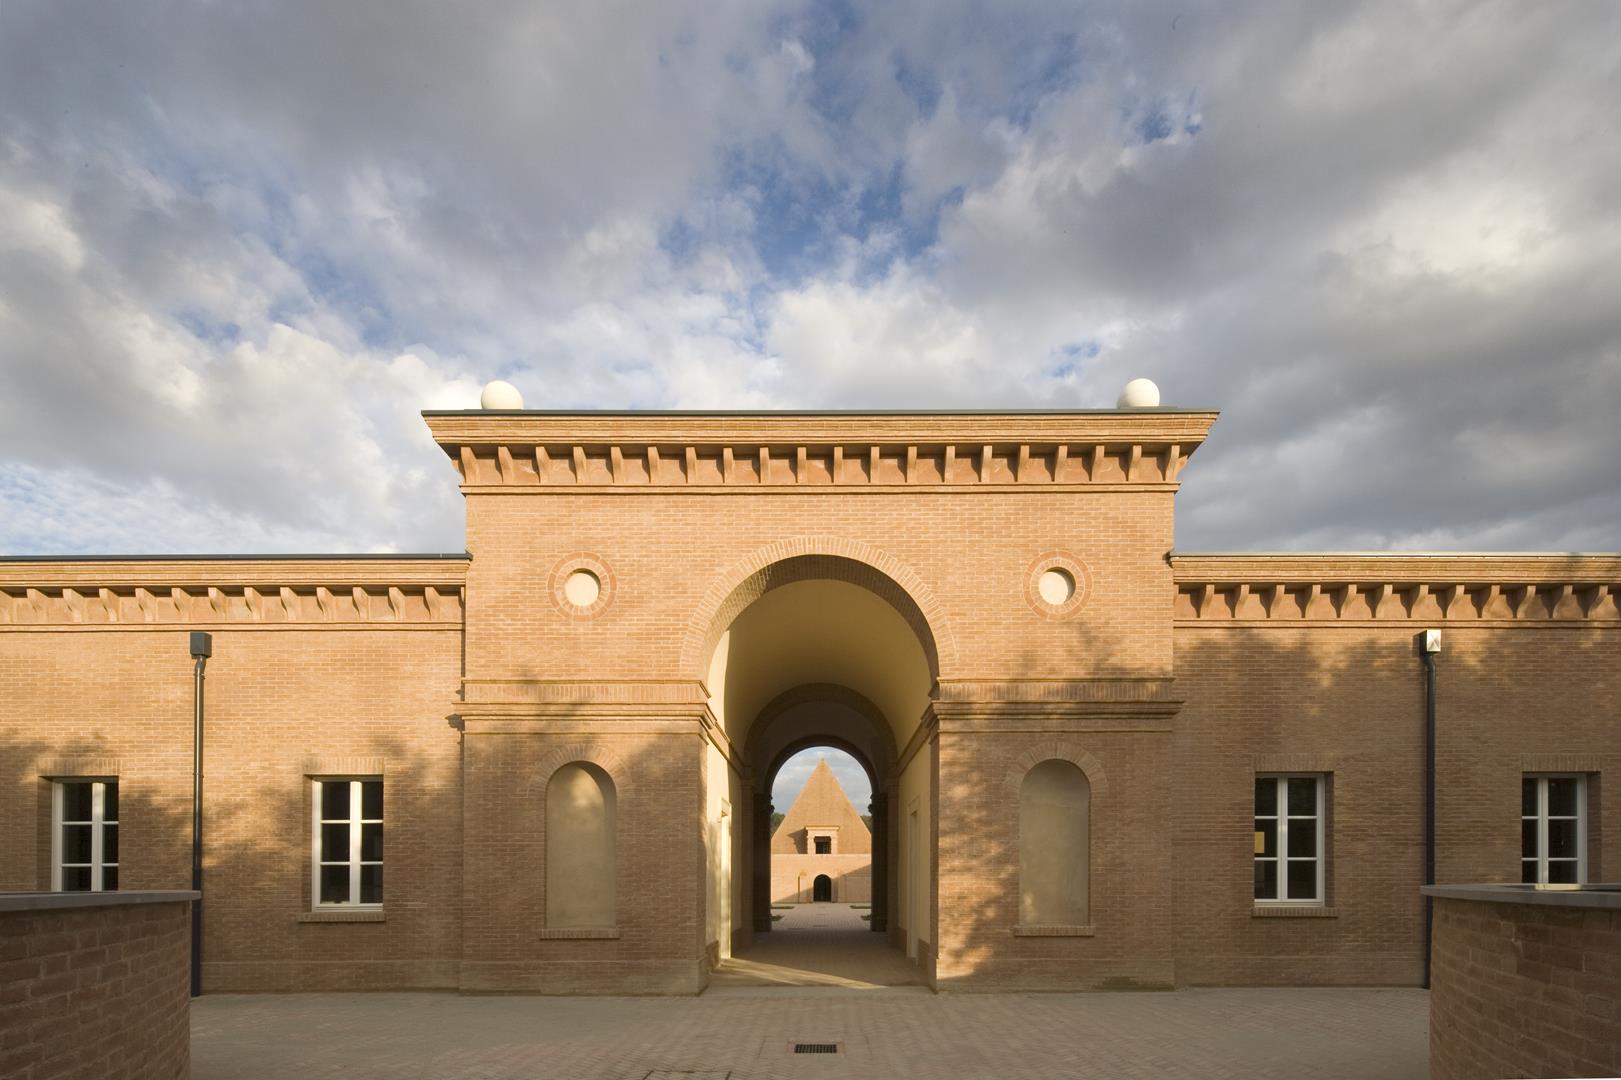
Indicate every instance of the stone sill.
{"type": "Point", "coordinates": [335, 916]}
{"type": "Point", "coordinates": [1054, 931]}
{"type": "Point", "coordinates": [1293, 911]}
{"type": "Point", "coordinates": [581, 933]}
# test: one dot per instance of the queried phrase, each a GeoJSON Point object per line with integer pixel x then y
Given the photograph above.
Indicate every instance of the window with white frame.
{"type": "Point", "coordinates": [347, 857]}
{"type": "Point", "coordinates": [1553, 830]}
{"type": "Point", "coordinates": [84, 835]}
{"type": "Point", "coordinates": [1289, 856]}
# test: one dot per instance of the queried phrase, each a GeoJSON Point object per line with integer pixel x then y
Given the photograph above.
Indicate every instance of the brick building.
{"type": "Point", "coordinates": [822, 851]}
{"type": "Point", "coordinates": [1096, 762]}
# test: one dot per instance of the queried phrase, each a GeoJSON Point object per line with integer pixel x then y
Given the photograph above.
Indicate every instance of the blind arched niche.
{"type": "Point", "coordinates": [1055, 846]}
{"type": "Point", "coordinates": [580, 810]}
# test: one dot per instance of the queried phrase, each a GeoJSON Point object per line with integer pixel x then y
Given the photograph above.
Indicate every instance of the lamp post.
{"type": "Point", "coordinates": [202, 647]}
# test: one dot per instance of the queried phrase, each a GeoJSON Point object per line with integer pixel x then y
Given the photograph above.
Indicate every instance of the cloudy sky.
{"type": "Point", "coordinates": [797, 769]}
{"type": "Point", "coordinates": [242, 245]}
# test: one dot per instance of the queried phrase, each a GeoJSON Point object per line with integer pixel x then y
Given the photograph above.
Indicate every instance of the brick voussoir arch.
{"type": "Point", "coordinates": [804, 558]}
{"type": "Point", "coordinates": [1060, 750]}
{"type": "Point", "coordinates": [832, 693]}
{"type": "Point", "coordinates": [591, 753]}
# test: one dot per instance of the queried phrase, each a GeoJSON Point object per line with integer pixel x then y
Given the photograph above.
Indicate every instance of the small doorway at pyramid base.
{"type": "Point", "coordinates": [822, 889]}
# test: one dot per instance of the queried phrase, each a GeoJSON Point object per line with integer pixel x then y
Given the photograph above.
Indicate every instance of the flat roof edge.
{"type": "Point", "coordinates": [445, 556]}
{"type": "Point", "coordinates": [1394, 554]}
{"type": "Point", "coordinates": [619, 413]}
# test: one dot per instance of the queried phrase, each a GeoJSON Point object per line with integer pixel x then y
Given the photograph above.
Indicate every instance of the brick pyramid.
{"type": "Point", "coordinates": [821, 803]}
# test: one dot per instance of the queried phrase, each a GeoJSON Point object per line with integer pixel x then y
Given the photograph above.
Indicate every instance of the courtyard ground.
{"type": "Point", "coordinates": [746, 1034]}
{"type": "Point", "coordinates": [819, 945]}
{"type": "Point", "coordinates": [820, 978]}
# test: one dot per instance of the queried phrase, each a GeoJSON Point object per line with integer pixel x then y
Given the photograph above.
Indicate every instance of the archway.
{"type": "Point", "coordinates": [820, 715]}
{"type": "Point", "coordinates": [822, 889]}
{"type": "Point", "coordinates": [821, 651]}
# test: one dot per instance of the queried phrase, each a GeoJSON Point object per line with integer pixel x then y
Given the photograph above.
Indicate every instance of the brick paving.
{"type": "Point", "coordinates": [819, 945]}
{"type": "Point", "coordinates": [800, 918]}
{"type": "Point", "coordinates": [744, 1033]}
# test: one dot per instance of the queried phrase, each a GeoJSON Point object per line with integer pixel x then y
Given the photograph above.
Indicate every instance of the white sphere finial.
{"type": "Point", "coordinates": [1139, 394]}
{"type": "Point", "coordinates": [500, 394]}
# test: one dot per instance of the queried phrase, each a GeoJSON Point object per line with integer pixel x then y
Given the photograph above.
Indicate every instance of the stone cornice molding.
{"type": "Point", "coordinates": [1486, 589]}
{"type": "Point", "coordinates": [575, 693]}
{"type": "Point", "coordinates": [539, 722]}
{"type": "Point", "coordinates": [967, 692]}
{"type": "Point", "coordinates": [1108, 704]}
{"type": "Point", "coordinates": [559, 717]}
{"type": "Point", "coordinates": [546, 453]}
{"type": "Point", "coordinates": [133, 593]}
{"type": "Point", "coordinates": [507, 706]}
{"type": "Point", "coordinates": [927, 730]}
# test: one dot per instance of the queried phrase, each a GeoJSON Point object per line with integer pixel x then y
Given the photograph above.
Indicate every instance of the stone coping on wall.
{"type": "Point", "coordinates": [1598, 896]}
{"type": "Point", "coordinates": [59, 901]}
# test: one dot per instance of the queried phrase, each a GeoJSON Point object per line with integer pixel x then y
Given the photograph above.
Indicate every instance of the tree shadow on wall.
{"type": "Point", "coordinates": [1171, 874]}
{"type": "Point", "coordinates": [258, 838]}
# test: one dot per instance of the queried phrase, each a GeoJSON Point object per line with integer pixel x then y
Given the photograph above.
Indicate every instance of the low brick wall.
{"type": "Point", "coordinates": [95, 985]}
{"type": "Point", "coordinates": [1525, 983]}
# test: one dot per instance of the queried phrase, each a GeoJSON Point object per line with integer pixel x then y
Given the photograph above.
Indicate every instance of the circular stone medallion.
{"type": "Point", "coordinates": [581, 585]}
{"type": "Point", "coordinates": [1057, 584]}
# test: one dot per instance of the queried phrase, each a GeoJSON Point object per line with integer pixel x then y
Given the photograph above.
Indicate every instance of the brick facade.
{"type": "Point", "coordinates": [1525, 989]}
{"type": "Point", "coordinates": [96, 987]}
{"type": "Point", "coordinates": [889, 573]}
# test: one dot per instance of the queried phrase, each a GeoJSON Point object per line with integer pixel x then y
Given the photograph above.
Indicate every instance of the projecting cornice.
{"type": "Point", "coordinates": [552, 453]}
{"type": "Point", "coordinates": [389, 592]}
{"type": "Point", "coordinates": [1351, 588]}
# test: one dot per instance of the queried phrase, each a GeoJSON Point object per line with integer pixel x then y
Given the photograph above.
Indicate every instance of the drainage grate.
{"type": "Point", "coordinates": [816, 1048]}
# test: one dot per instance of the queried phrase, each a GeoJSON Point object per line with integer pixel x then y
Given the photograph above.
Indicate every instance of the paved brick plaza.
{"type": "Point", "coordinates": [744, 1032]}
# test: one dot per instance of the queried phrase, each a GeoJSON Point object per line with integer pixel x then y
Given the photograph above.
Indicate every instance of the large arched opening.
{"type": "Point", "coordinates": [815, 651]}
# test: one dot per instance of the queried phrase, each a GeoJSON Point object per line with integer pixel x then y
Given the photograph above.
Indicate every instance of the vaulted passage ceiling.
{"type": "Point", "coordinates": [819, 631]}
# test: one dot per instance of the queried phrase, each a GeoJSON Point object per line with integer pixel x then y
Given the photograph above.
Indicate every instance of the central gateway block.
{"type": "Point", "coordinates": [662, 607]}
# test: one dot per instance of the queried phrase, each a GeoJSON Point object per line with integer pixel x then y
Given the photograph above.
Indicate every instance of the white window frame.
{"type": "Point", "coordinates": [352, 857]}
{"type": "Point", "coordinates": [1542, 817]}
{"type": "Point", "coordinates": [1281, 816]}
{"type": "Point", "coordinates": [98, 824]}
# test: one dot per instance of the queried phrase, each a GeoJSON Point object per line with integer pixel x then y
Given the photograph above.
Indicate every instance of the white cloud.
{"type": "Point", "coordinates": [240, 250]}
